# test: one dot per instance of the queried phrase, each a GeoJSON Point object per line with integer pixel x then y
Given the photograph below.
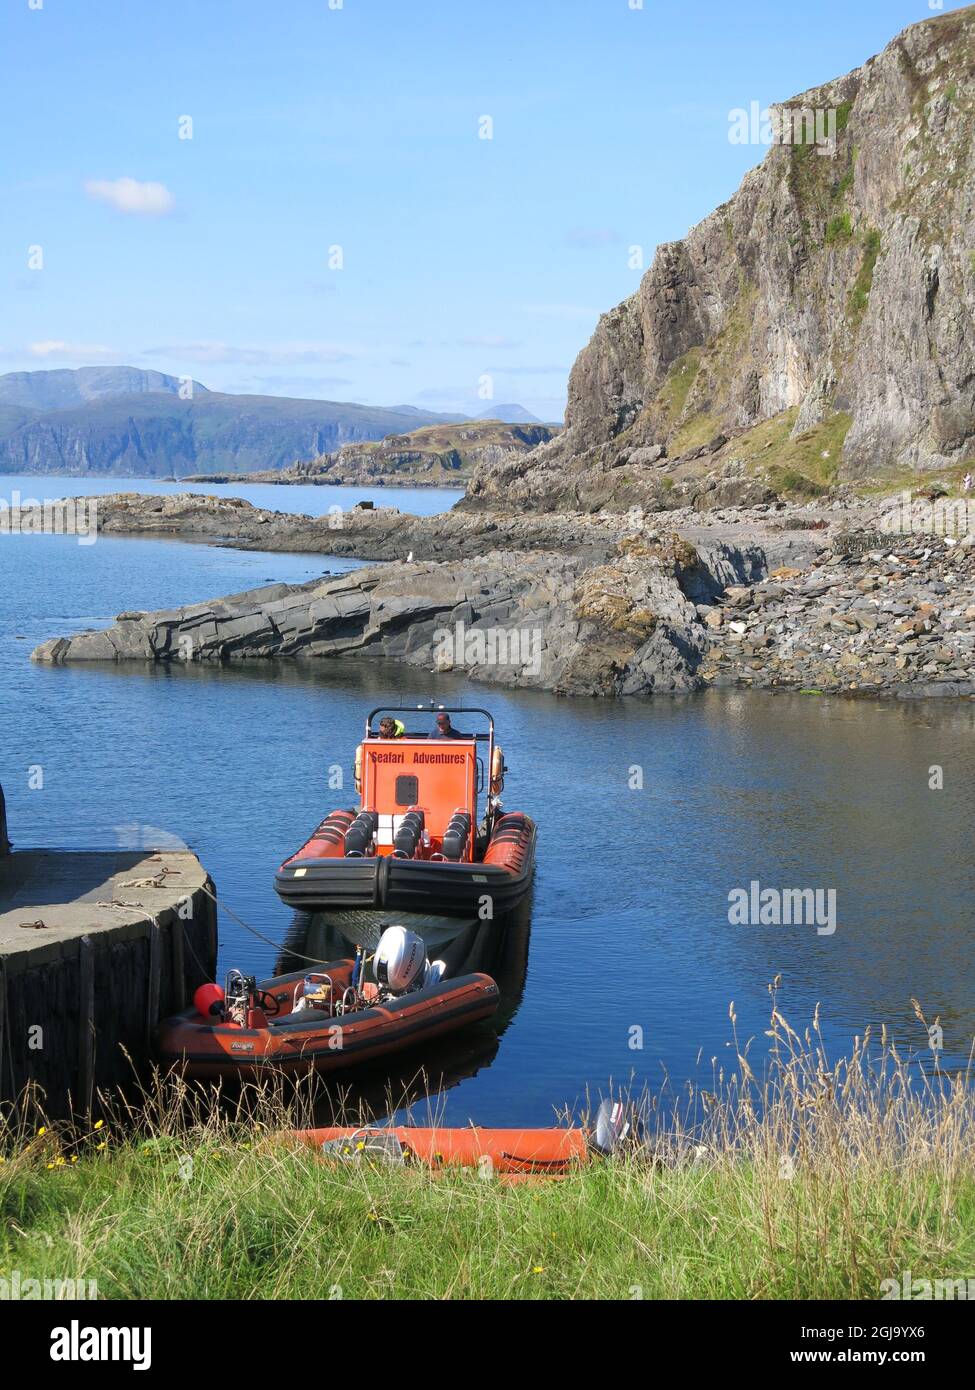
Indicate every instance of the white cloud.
{"type": "Point", "coordinates": [287, 354]}
{"type": "Point", "coordinates": [593, 236]}
{"type": "Point", "coordinates": [488, 341]}
{"type": "Point", "coordinates": [529, 371]}
{"type": "Point", "coordinates": [80, 352]}
{"type": "Point", "coordinates": [560, 311]}
{"type": "Point", "coordinates": [131, 195]}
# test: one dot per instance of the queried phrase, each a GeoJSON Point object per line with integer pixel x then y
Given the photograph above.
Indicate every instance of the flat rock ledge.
{"type": "Point", "coordinates": [538, 619]}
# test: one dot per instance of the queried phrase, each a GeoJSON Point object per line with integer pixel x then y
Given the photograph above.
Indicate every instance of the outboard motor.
{"type": "Point", "coordinates": [456, 834]}
{"type": "Point", "coordinates": [401, 961]}
{"type": "Point", "coordinates": [409, 834]}
{"type": "Point", "coordinates": [616, 1124]}
{"type": "Point", "coordinates": [360, 834]}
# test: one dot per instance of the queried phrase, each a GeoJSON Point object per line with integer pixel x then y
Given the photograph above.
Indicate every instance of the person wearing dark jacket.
{"type": "Point", "coordinates": [445, 729]}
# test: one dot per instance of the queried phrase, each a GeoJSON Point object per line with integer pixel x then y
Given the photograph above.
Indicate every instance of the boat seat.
{"type": "Point", "coordinates": [313, 1016]}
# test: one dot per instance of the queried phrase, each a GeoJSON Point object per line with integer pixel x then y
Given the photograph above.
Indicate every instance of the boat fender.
{"type": "Point", "coordinates": [208, 1001]}
{"type": "Point", "coordinates": [357, 769]}
{"type": "Point", "coordinates": [497, 771]}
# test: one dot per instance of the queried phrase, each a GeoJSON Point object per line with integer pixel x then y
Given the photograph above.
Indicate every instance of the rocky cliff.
{"type": "Point", "coordinates": [818, 326]}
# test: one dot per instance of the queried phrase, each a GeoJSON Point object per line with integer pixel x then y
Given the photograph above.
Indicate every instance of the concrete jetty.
{"type": "Point", "coordinates": [95, 947]}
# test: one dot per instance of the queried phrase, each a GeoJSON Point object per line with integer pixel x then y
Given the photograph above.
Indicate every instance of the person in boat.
{"type": "Point", "coordinates": [444, 728]}
{"type": "Point", "coordinates": [391, 728]}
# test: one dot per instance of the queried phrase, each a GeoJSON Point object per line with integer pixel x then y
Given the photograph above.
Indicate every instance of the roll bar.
{"type": "Point", "coordinates": [433, 708]}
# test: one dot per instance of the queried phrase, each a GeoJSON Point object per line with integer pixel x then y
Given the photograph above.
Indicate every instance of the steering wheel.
{"type": "Point", "coordinates": [268, 1002]}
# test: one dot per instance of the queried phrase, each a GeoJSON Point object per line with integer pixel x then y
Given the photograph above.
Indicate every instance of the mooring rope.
{"type": "Point", "coordinates": [311, 960]}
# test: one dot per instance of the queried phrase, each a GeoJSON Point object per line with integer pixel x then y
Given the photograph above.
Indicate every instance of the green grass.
{"type": "Point", "coordinates": [819, 1179]}
{"type": "Point", "coordinates": [863, 284]}
{"type": "Point", "coordinates": [262, 1224]}
{"type": "Point", "coordinates": [839, 229]}
{"type": "Point", "coordinates": [672, 396]}
{"type": "Point", "coordinates": [795, 466]}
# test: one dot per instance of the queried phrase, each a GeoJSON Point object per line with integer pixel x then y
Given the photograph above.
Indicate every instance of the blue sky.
{"type": "Point", "coordinates": [468, 265]}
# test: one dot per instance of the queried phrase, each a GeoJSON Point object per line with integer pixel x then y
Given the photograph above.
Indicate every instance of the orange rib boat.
{"type": "Point", "coordinates": [261, 1029]}
{"type": "Point", "coordinates": [417, 843]}
{"type": "Point", "coordinates": [512, 1153]}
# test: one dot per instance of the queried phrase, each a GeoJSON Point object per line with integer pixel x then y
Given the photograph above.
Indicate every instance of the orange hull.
{"type": "Point", "coordinates": [524, 1152]}
{"type": "Point", "coordinates": [418, 841]}
{"type": "Point", "coordinates": [318, 1041]}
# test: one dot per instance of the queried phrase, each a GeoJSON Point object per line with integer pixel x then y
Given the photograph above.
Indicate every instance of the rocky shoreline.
{"type": "Point", "coordinates": [603, 604]}
{"type": "Point", "coordinates": [386, 533]}
{"type": "Point", "coordinates": [896, 621]}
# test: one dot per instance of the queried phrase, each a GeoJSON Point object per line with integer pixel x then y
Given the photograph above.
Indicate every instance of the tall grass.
{"type": "Point", "coordinates": [815, 1179]}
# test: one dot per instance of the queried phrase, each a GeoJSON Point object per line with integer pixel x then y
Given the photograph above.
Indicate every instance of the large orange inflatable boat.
{"type": "Point", "coordinates": [417, 842]}
{"type": "Point", "coordinates": [509, 1152]}
{"type": "Point", "coordinates": [330, 1019]}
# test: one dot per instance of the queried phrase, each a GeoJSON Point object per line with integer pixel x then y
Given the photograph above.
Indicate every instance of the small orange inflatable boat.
{"type": "Point", "coordinates": [325, 1021]}
{"type": "Point", "coordinates": [511, 1153]}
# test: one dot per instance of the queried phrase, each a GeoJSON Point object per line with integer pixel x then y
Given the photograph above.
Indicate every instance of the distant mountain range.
{"type": "Point", "coordinates": [126, 422]}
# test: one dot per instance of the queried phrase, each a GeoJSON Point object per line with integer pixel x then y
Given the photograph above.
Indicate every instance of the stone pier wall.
{"type": "Point", "coordinates": [94, 949]}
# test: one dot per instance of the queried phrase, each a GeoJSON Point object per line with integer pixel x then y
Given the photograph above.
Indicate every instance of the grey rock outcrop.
{"type": "Point", "coordinates": [536, 618]}
{"type": "Point", "coordinates": [434, 456]}
{"type": "Point", "coordinates": [897, 619]}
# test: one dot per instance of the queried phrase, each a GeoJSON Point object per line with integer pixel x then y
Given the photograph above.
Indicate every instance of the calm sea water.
{"type": "Point", "coordinates": [313, 501]}
{"type": "Point", "coordinates": [628, 927]}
